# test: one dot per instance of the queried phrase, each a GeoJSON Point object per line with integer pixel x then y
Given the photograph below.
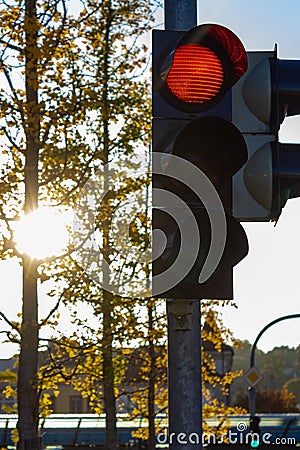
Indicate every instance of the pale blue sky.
{"type": "Point", "coordinates": [267, 281]}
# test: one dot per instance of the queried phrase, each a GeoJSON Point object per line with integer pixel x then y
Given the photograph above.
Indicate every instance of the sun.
{"type": "Point", "coordinates": [41, 233]}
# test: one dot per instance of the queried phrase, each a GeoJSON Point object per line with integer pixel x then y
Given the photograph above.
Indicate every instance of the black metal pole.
{"type": "Point", "coordinates": [184, 329]}
{"type": "Point", "coordinates": [180, 15]}
{"type": "Point", "coordinates": [185, 392]}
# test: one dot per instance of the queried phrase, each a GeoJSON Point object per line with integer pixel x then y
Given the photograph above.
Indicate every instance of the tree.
{"type": "Point", "coordinates": [82, 108]}
{"type": "Point", "coordinates": [32, 37]}
{"type": "Point", "coordinates": [269, 401]}
{"type": "Point", "coordinates": [217, 335]}
{"type": "Point", "coordinates": [118, 100]}
{"type": "Point", "coordinates": [65, 86]}
{"type": "Point", "coordinates": [277, 367]}
{"type": "Point", "coordinates": [148, 395]}
{"type": "Point", "coordinates": [293, 386]}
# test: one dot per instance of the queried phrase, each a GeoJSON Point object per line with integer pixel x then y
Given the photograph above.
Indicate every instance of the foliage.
{"type": "Point", "coordinates": [293, 386]}
{"type": "Point", "coordinates": [8, 380]}
{"type": "Point", "coordinates": [277, 366]}
{"type": "Point", "coordinates": [215, 333]}
{"type": "Point", "coordinates": [8, 376]}
{"type": "Point", "coordinates": [215, 409]}
{"type": "Point", "coordinates": [269, 401]}
{"type": "Point", "coordinates": [92, 112]}
{"type": "Point", "coordinates": [72, 99]}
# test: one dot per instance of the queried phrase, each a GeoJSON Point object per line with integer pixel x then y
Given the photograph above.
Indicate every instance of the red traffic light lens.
{"type": "Point", "coordinates": [196, 75]}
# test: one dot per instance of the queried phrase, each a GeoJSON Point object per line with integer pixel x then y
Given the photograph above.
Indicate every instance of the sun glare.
{"type": "Point", "coordinates": [42, 233]}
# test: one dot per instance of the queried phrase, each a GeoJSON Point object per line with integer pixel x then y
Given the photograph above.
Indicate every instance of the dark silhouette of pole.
{"type": "Point", "coordinates": [180, 15]}
{"type": "Point", "coordinates": [28, 398]}
{"type": "Point", "coordinates": [184, 329]}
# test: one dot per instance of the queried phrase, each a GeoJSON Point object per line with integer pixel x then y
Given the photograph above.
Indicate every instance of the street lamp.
{"type": "Point", "coordinates": [252, 391]}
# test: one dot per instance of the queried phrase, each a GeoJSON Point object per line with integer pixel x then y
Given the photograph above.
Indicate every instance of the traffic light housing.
{"type": "Point", "coordinates": [196, 151]}
{"type": "Point", "coordinates": [268, 92]}
{"type": "Point", "coordinates": [219, 108]}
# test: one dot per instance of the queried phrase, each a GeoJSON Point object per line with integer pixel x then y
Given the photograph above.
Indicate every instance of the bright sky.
{"type": "Point", "coordinates": [267, 281]}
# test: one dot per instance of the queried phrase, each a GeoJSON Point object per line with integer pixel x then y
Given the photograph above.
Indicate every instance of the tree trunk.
{"type": "Point", "coordinates": [108, 375]}
{"type": "Point", "coordinates": [151, 392]}
{"type": "Point", "coordinates": [28, 402]}
{"type": "Point", "coordinates": [27, 390]}
{"type": "Point", "coordinates": [107, 310]}
{"type": "Point", "coordinates": [107, 348]}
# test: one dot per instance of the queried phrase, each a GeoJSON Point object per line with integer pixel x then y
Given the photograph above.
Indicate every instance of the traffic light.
{"type": "Point", "coordinates": [268, 92]}
{"type": "Point", "coordinates": [196, 151]}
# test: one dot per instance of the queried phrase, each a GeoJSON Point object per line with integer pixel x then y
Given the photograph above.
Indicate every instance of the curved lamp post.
{"type": "Point", "coordinates": [252, 396]}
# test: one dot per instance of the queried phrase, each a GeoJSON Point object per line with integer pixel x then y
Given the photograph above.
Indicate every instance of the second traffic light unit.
{"type": "Point", "coordinates": [196, 153]}
{"type": "Point", "coordinates": [268, 92]}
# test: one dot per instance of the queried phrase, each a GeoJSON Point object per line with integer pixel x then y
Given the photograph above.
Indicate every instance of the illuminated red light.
{"type": "Point", "coordinates": [196, 75]}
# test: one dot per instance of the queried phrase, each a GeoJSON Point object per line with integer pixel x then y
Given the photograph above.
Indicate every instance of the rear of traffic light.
{"type": "Point", "coordinates": [196, 152]}
{"type": "Point", "coordinates": [268, 93]}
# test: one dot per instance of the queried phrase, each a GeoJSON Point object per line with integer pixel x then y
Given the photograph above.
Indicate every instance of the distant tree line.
{"type": "Point", "coordinates": [279, 390]}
